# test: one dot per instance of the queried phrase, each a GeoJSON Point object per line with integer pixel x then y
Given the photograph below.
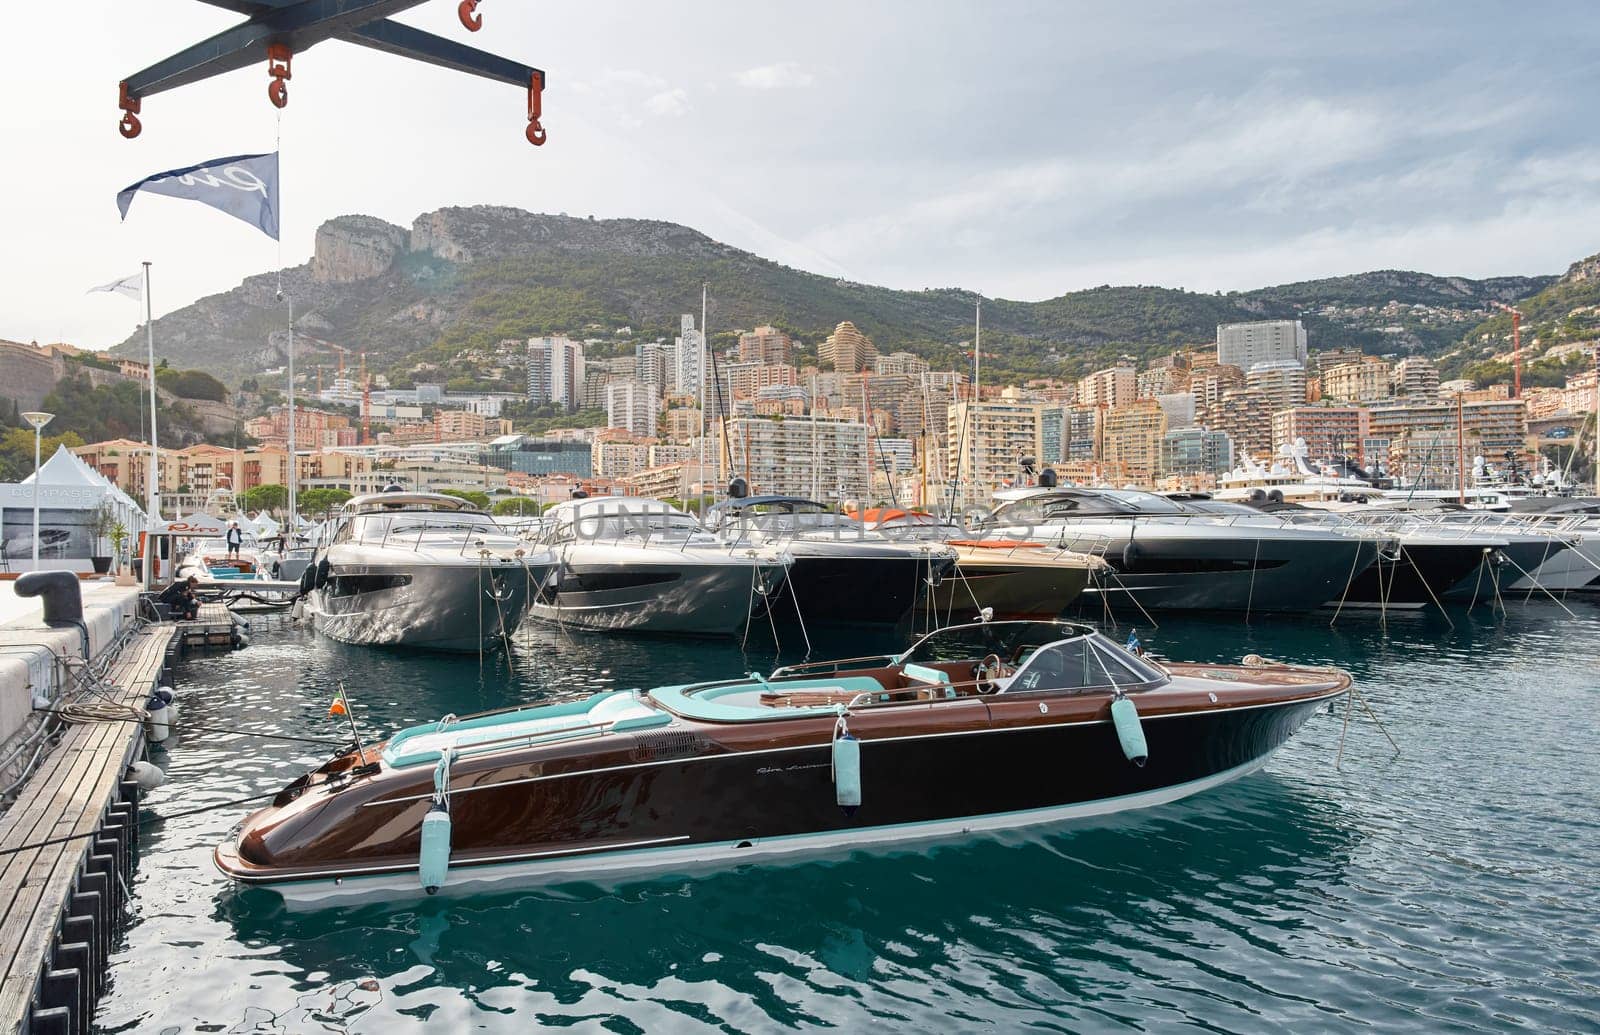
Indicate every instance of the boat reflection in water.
{"type": "Point", "coordinates": [976, 728]}
{"type": "Point", "coordinates": [417, 569]}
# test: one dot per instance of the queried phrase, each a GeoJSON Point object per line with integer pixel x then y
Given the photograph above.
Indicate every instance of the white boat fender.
{"type": "Point", "coordinates": [846, 768]}
{"type": "Point", "coordinates": [147, 775]}
{"type": "Point", "coordinates": [433, 865]}
{"type": "Point", "coordinates": [1130, 733]}
{"type": "Point", "coordinates": [158, 714]}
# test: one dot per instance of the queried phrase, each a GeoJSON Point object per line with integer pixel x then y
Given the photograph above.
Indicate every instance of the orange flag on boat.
{"type": "Point", "coordinates": [338, 707]}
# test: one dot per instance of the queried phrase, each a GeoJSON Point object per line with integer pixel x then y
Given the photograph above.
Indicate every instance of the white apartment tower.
{"type": "Point", "coordinates": [688, 357]}
{"type": "Point", "coordinates": [555, 371]}
{"type": "Point", "coordinates": [1245, 345]}
{"type": "Point", "coordinates": [632, 405]}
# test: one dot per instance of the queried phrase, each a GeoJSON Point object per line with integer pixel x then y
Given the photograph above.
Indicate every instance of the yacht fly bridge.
{"type": "Point", "coordinates": [421, 521]}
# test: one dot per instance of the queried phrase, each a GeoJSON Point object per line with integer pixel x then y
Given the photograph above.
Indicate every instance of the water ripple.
{"type": "Point", "coordinates": [1448, 889]}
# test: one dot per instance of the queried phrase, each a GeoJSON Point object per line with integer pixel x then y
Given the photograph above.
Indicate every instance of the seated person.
{"type": "Point", "coordinates": [180, 599]}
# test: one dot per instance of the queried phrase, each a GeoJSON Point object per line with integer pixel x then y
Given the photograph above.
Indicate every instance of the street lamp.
{"type": "Point", "coordinates": [38, 420]}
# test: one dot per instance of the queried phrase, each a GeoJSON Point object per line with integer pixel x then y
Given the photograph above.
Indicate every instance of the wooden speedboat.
{"type": "Point", "coordinates": [975, 728]}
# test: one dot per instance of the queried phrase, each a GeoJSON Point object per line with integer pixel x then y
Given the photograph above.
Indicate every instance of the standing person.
{"type": "Point", "coordinates": [235, 540]}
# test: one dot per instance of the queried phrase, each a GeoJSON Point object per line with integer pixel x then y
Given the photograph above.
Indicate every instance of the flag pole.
{"type": "Point", "coordinates": [293, 463]}
{"type": "Point", "coordinates": [150, 343]}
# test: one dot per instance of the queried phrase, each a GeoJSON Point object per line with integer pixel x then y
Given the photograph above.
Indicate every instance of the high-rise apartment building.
{"type": "Point", "coordinates": [1113, 387]}
{"type": "Point", "coordinates": [1329, 431]}
{"type": "Point", "coordinates": [1243, 414]}
{"type": "Point", "coordinates": [555, 371]}
{"type": "Point", "coordinates": [1195, 453]}
{"type": "Point", "coordinates": [1487, 427]}
{"type": "Point", "coordinates": [847, 350]}
{"type": "Point", "coordinates": [632, 405]}
{"type": "Point", "coordinates": [1281, 384]}
{"type": "Point", "coordinates": [900, 363]}
{"type": "Point", "coordinates": [653, 364]}
{"type": "Point", "coordinates": [766, 346]}
{"type": "Point", "coordinates": [1131, 441]}
{"type": "Point", "coordinates": [745, 380]}
{"type": "Point", "coordinates": [1327, 359]}
{"type": "Point", "coordinates": [986, 443]}
{"type": "Point", "coordinates": [824, 458]}
{"type": "Point", "coordinates": [1416, 378]}
{"type": "Point", "coordinates": [688, 357]}
{"type": "Point", "coordinates": [1262, 341]}
{"type": "Point", "coordinates": [1368, 380]}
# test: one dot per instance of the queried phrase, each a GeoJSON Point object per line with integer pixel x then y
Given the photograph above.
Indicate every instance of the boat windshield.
{"type": "Point", "coordinates": [637, 525]}
{"type": "Point", "coordinates": [1088, 662]}
{"type": "Point", "coordinates": [789, 515]}
{"type": "Point", "coordinates": [1045, 655]}
{"type": "Point", "coordinates": [371, 527]}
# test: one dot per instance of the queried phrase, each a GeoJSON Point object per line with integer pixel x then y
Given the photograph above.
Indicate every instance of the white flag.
{"type": "Point", "coordinates": [129, 286]}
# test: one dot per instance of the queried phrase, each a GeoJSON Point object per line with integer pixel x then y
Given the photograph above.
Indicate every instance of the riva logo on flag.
{"type": "Point", "coordinates": [244, 186]}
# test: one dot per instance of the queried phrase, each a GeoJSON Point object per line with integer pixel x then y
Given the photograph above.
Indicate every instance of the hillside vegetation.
{"type": "Point", "coordinates": [464, 279]}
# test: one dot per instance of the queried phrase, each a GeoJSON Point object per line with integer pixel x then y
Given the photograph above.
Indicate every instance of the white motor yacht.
{"type": "Point", "coordinates": [629, 564]}
{"type": "Point", "coordinates": [418, 569]}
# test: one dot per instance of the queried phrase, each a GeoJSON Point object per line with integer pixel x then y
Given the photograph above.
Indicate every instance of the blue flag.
{"type": "Point", "coordinates": [244, 186]}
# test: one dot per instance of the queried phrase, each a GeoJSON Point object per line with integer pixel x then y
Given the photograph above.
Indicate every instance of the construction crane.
{"type": "Point", "coordinates": [276, 30]}
{"type": "Point", "coordinates": [330, 346]}
{"type": "Point", "coordinates": [1516, 345]}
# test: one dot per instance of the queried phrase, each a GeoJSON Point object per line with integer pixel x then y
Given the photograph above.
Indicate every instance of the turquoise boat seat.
{"type": "Point", "coordinates": [740, 702]}
{"type": "Point", "coordinates": [618, 711]}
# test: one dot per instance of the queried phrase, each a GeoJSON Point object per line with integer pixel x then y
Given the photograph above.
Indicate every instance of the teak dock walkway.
{"type": "Point", "coordinates": [61, 905]}
{"type": "Point", "coordinates": [212, 627]}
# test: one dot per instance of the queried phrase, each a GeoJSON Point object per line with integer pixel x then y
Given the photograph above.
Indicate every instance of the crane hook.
{"type": "Point", "coordinates": [279, 57]}
{"type": "Point", "coordinates": [535, 132]}
{"type": "Point", "coordinates": [467, 12]}
{"type": "Point", "coordinates": [130, 126]}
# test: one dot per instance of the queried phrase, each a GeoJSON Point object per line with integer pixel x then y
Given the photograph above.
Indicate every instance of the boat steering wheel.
{"type": "Point", "coordinates": [988, 672]}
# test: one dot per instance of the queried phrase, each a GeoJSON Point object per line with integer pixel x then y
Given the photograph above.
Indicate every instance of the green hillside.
{"type": "Point", "coordinates": [462, 280]}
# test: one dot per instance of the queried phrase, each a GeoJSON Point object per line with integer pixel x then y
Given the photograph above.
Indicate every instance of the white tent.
{"type": "Point", "coordinates": [69, 492]}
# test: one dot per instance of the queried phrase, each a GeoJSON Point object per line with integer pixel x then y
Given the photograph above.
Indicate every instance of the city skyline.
{"type": "Point", "coordinates": [1231, 149]}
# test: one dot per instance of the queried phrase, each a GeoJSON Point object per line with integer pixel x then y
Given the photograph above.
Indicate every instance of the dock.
{"type": "Point", "coordinates": [61, 904]}
{"type": "Point", "coordinates": [212, 628]}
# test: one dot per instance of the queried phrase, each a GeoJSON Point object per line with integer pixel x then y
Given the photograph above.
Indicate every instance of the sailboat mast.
{"type": "Point", "coordinates": [153, 488]}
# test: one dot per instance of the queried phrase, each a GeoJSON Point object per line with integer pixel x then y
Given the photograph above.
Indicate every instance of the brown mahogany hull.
{"type": "Point", "coordinates": [699, 794]}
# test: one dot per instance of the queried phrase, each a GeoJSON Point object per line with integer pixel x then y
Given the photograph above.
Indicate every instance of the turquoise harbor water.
{"type": "Point", "coordinates": [1451, 889]}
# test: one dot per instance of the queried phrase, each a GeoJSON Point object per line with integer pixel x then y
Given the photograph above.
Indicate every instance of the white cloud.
{"type": "Point", "coordinates": [672, 103]}
{"type": "Point", "coordinates": [784, 74]}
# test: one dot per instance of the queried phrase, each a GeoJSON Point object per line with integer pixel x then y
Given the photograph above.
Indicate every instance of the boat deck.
{"type": "Point", "coordinates": [60, 904]}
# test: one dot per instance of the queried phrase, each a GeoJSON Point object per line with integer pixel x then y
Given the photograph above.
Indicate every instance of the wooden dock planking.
{"type": "Point", "coordinates": [70, 794]}
{"type": "Point", "coordinates": [212, 627]}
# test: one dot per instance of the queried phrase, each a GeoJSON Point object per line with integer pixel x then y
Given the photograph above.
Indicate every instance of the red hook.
{"type": "Point", "coordinates": [536, 134]}
{"type": "Point", "coordinates": [278, 59]}
{"type": "Point", "coordinates": [129, 126]}
{"type": "Point", "coordinates": [467, 11]}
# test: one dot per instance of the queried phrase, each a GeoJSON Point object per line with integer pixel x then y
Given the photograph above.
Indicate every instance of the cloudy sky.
{"type": "Point", "coordinates": [1021, 149]}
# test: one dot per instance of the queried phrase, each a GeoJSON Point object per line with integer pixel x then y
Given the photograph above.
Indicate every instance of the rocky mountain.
{"type": "Point", "coordinates": [460, 280]}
